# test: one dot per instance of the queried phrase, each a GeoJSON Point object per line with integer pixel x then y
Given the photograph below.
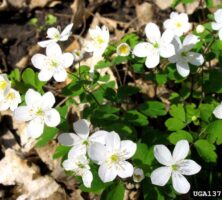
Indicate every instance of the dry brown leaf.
{"type": "Point", "coordinates": [144, 13]}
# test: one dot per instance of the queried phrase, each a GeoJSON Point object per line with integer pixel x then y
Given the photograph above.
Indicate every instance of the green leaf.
{"type": "Point", "coordinates": [30, 78]}
{"type": "Point", "coordinates": [103, 64]}
{"type": "Point", "coordinates": [143, 155]}
{"type": "Point", "coordinates": [174, 124]}
{"type": "Point", "coordinates": [214, 131]}
{"type": "Point", "coordinates": [153, 108]}
{"type": "Point", "coordinates": [126, 91]}
{"type": "Point", "coordinates": [206, 150]}
{"type": "Point", "coordinates": [178, 112]}
{"type": "Point", "coordinates": [136, 118]}
{"type": "Point", "coordinates": [180, 135]}
{"type": "Point", "coordinates": [61, 151]}
{"type": "Point", "coordinates": [114, 192]}
{"type": "Point", "coordinates": [206, 111]}
{"type": "Point", "coordinates": [50, 19]}
{"type": "Point", "coordinates": [161, 79]}
{"type": "Point", "coordinates": [119, 60]}
{"type": "Point", "coordinates": [48, 134]}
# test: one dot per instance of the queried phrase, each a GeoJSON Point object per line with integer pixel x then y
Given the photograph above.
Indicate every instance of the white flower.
{"type": "Point", "coordinates": [81, 140]}
{"type": "Point", "coordinates": [175, 165]}
{"type": "Point", "coordinates": [37, 112]}
{"type": "Point", "coordinates": [123, 49]}
{"type": "Point", "coordinates": [178, 23]}
{"type": "Point", "coordinates": [112, 157]}
{"type": "Point", "coordinates": [54, 64]}
{"type": "Point", "coordinates": [184, 56]}
{"type": "Point", "coordinates": [218, 24]}
{"type": "Point", "coordinates": [54, 35]}
{"type": "Point", "coordinates": [200, 28]}
{"type": "Point", "coordinates": [11, 100]}
{"type": "Point", "coordinates": [79, 164]}
{"type": "Point", "coordinates": [218, 111]}
{"type": "Point", "coordinates": [138, 175]}
{"type": "Point", "coordinates": [99, 42]}
{"type": "Point", "coordinates": [156, 46]}
{"type": "Point", "coordinates": [5, 86]}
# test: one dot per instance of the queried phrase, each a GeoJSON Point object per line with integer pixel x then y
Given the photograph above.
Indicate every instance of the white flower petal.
{"type": "Point", "coordinates": [48, 100]}
{"type": "Point", "coordinates": [66, 32]}
{"type": "Point", "coordinates": [142, 49]}
{"type": "Point", "coordinates": [52, 118]}
{"type": "Point", "coordinates": [189, 42]}
{"type": "Point", "coordinates": [107, 173]}
{"type": "Point", "coordinates": [128, 148]}
{"type": "Point", "coordinates": [167, 37]}
{"type": "Point", "coordinates": [196, 59]}
{"type": "Point", "coordinates": [162, 154]}
{"type": "Point", "coordinates": [161, 176]}
{"type": "Point", "coordinates": [60, 74]}
{"type": "Point", "coordinates": [68, 165]}
{"type": "Point", "coordinates": [218, 111]}
{"type": "Point", "coordinates": [4, 105]}
{"type": "Point", "coordinates": [218, 15]}
{"type": "Point", "coordinates": [180, 183]}
{"type": "Point", "coordinates": [67, 139]}
{"type": "Point", "coordinates": [167, 51]}
{"type": "Point", "coordinates": [125, 170]}
{"type": "Point", "coordinates": [52, 32]}
{"type": "Point", "coordinates": [81, 128]}
{"type": "Point", "coordinates": [53, 50]}
{"type": "Point", "coordinates": [152, 61]}
{"type": "Point", "coordinates": [76, 151]}
{"type": "Point", "coordinates": [35, 127]}
{"type": "Point", "coordinates": [97, 152]}
{"type": "Point", "coordinates": [99, 137]}
{"type": "Point", "coordinates": [32, 98]}
{"type": "Point", "coordinates": [46, 43]}
{"type": "Point", "coordinates": [67, 59]}
{"type": "Point", "coordinates": [183, 68]}
{"type": "Point", "coordinates": [181, 150]}
{"type": "Point", "coordinates": [87, 178]}
{"type": "Point", "coordinates": [38, 60]}
{"type": "Point", "coordinates": [112, 141]}
{"type": "Point", "coordinates": [216, 26]}
{"type": "Point", "coordinates": [22, 113]}
{"type": "Point", "coordinates": [152, 32]}
{"type": "Point", "coordinates": [220, 34]}
{"type": "Point", "coordinates": [45, 75]}
{"type": "Point", "coordinates": [188, 167]}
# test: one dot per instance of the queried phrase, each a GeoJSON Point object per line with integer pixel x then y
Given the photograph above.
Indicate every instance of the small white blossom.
{"type": "Point", "coordinates": [5, 86]}
{"type": "Point", "coordinates": [37, 112]}
{"type": "Point", "coordinates": [112, 157]}
{"type": "Point", "coordinates": [218, 111]}
{"type": "Point", "coordinates": [200, 28]}
{"type": "Point", "coordinates": [156, 46]}
{"type": "Point", "coordinates": [81, 140]}
{"type": "Point", "coordinates": [184, 55]}
{"type": "Point", "coordinates": [178, 23]}
{"type": "Point", "coordinates": [54, 35]}
{"type": "Point", "coordinates": [175, 165]}
{"type": "Point", "coordinates": [79, 164]}
{"type": "Point", "coordinates": [138, 175]}
{"type": "Point", "coordinates": [11, 100]}
{"type": "Point", "coordinates": [123, 49]}
{"type": "Point", "coordinates": [99, 40]}
{"type": "Point", "coordinates": [54, 64]}
{"type": "Point", "coordinates": [217, 25]}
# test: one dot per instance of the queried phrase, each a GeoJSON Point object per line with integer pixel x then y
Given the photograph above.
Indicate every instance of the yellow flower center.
{"type": "Point", "coordinates": [100, 40]}
{"type": "Point", "coordinates": [124, 49]}
{"type": "Point", "coordinates": [155, 45]}
{"type": "Point", "coordinates": [114, 158]}
{"type": "Point", "coordinates": [3, 85]}
{"type": "Point", "coordinates": [39, 112]}
{"type": "Point", "coordinates": [174, 167]}
{"type": "Point", "coordinates": [57, 36]}
{"type": "Point", "coordinates": [11, 96]}
{"type": "Point", "coordinates": [178, 24]}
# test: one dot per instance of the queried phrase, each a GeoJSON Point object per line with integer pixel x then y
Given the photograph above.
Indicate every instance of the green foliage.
{"type": "Point", "coordinates": [180, 135]}
{"type": "Point", "coordinates": [50, 19]}
{"type": "Point", "coordinates": [206, 150]}
{"type": "Point", "coordinates": [114, 192]}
